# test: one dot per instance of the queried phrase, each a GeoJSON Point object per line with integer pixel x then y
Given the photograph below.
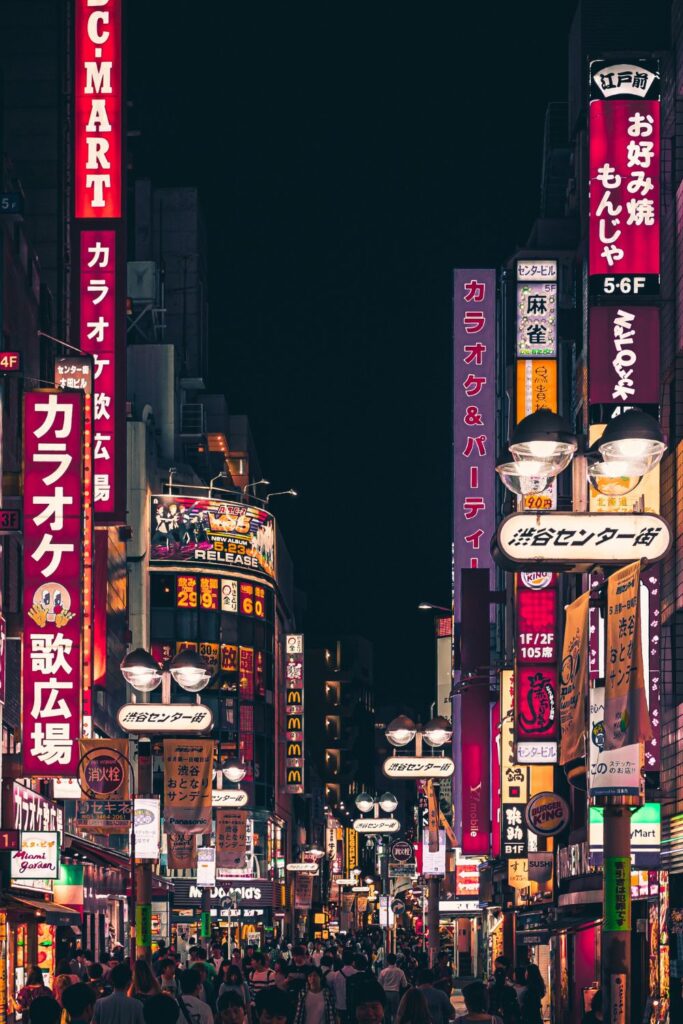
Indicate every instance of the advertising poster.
{"type": "Point", "coordinates": [147, 825]}
{"type": "Point", "coordinates": [231, 838]}
{"type": "Point", "coordinates": [188, 768]}
{"type": "Point", "coordinates": [294, 713]}
{"type": "Point", "coordinates": [626, 715]}
{"type": "Point", "coordinates": [574, 680]}
{"type": "Point", "coordinates": [611, 772]}
{"type": "Point", "coordinates": [536, 653]}
{"type": "Point", "coordinates": [624, 355]}
{"type": "Point", "coordinates": [181, 852]}
{"type": "Point", "coordinates": [212, 533]}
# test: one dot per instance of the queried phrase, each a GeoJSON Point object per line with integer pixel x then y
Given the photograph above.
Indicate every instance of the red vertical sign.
{"type": "Point", "coordinates": [52, 613]}
{"type": "Point", "coordinates": [98, 102]}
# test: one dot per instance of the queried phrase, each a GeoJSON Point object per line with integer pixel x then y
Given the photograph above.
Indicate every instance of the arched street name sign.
{"type": "Point", "coordinates": [418, 767]}
{"type": "Point", "coordinates": [375, 826]}
{"type": "Point", "coordinates": [578, 541]}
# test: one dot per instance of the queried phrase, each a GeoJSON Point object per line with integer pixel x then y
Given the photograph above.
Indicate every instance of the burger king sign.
{"type": "Point", "coordinates": [547, 814]}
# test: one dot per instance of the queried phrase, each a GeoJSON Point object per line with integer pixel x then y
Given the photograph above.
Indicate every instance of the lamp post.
{"type": "Point", "coordinates": [143, 673]}
{"type": "Point", "coordinates": [540, 448]}
{"type": "Point", "coordinates": [387, 802]}
{"type": "Point", "coordinates": [436, 732]}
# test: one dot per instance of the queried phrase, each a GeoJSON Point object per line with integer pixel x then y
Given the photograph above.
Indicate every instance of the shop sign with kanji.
{"type": "Point", "coordinates": [579, 541]}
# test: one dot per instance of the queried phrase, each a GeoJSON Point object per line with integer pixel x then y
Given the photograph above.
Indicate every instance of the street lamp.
{"type": "Point", "coordinates": [233, 770]}
{"type": "Point", "coordinates": [257, 483]}
{"type": "Point", "coordinates": [426, 606]}
{"type": "Point", "coordinates": [402, 730]}
{"type": "Point", "coordinates": [144, 674]}
{"type": "Point", "coordinates": [364, 802]}
{"type": "Point", "coordinates": [542, 445]}
{"type": "Point", "coordinates": [388, 802]}
{"type": "Point", "coordinates": [274, 494]}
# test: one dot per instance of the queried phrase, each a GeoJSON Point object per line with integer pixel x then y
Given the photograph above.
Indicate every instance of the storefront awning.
{"type": "Point", "coordinates": [53, 913]}
{"type": "Point", "coordinates": [94, 853]}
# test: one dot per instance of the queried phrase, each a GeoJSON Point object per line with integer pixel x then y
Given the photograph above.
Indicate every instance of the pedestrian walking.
{"type": "Point", "coordinates": [439, 1005]}
{"type": "Point", "coordinates": [143, 984]}
{"type": "Point", "coordinates": [192, 1006]}
{"type": "Point", "coordinates": [119, 1008]}
{"type": "Point", "coordinates": [273, 1006]}
{"type": "Point", "coordinates": [161, 1009]}
{"type": "Point", "coordinates": [369, 1001]}
{"type": "Point", "coordinates": [35, 988]}
{"type": "Point", "coordinates": [533, 997]}
{"type": "Point", "coordinates": [413, 1008]}
{"type": "Point", "coordinates": [315, 1004]}
{"type": "Point", "coordinates": [79, 1003]}
{"type": "Point", "coordinates": [394, 982]}
{"type": "Point", "coordinates": [44, 1010]}
{"type": "Point", "coordinates": [232, 1008]}
{"type": "Point", "coordinates": [475, 997]}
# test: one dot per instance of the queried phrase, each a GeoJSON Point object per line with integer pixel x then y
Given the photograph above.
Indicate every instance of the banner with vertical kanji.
{"type": "Point", "coordinates": [574, 680]}
{"type": "Point", "coordinates": [52, 564]}
{"type": "Point", "coordinates": [474, 350]}
{"type": "Point", "coordinates": [626, 715]}
{"type": "Point", "coordinates": [231, 838]}
{"type": "Point", "coordinates": [188, 766]}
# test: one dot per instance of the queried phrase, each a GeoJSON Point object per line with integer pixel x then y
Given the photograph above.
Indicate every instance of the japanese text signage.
{"type": "Point", "coordinates": [53, 539]}
{"type": "Point", "coordinates": [98, 109]}
{"type": "Point", "coordinates": [231, 838]}
{"type": "Point", "coordinates": [187, 778]}
{"type": "Point", "coordinates": [536, 704]}
{"type": "Point", "coordinates": [536, 311]}
{"type": "Point", "coordinates": [624, 355]}
{"type": "Point", "coordinates": [98, 337]}
{"type": "Point", "coordinates": [294, 713]}
{"type": "Point", "coordinates": [624, 169]}
{"type": "Point", "coordinates": [577, 541]}
{"type": "Point", "coordinates": [474, 339]}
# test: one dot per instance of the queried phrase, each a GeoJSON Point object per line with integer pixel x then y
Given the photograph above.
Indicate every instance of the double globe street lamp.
{"type": "Point", "coordinates": [542, 445]}
{"type": "Point", "coordinates": [403, 730]}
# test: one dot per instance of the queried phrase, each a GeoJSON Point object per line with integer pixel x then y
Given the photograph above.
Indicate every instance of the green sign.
{"type": "Point", "coordinates": [143, 924]}
{"type": "Point", "coordinates": [206, 924]}
{"type": "Point", "coordinates": [617, 882]}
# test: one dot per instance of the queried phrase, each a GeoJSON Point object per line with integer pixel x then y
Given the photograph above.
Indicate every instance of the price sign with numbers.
{"type": "Point", "coordinates": [186, 591]}
{"type": "Point", "coordinates": [208, 593]}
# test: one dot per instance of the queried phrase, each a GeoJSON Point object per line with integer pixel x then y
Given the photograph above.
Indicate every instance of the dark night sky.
{"type": "Point", "coordinates": [348, 158]}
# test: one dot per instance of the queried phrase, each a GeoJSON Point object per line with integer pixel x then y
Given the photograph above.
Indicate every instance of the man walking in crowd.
{"type": "Point", "coordinates": [118, 1008]}
{"type": "Point", "coordinates": [393, 980]}
{"type": "Point", "coordinates": [439, 1005]}
{"type": "Point", "coordinates": [198, 1011]}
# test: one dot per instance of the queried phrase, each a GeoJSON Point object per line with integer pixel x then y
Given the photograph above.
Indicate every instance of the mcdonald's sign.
{"type": "Point", "coordinates": [294, 712]}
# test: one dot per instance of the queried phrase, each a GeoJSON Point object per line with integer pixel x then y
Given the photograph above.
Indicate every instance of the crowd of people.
{"type": "Point", "coordinates": [336, 983]}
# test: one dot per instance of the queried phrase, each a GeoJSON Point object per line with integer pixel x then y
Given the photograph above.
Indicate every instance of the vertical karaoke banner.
{"type": "Point", "coordinates": [474, 409]}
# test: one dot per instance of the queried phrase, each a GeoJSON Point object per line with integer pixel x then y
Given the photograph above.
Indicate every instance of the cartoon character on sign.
{"type": "Point", "coordinates": [51, 603]}
{"type": "Point", "coordinates": [540, 700]}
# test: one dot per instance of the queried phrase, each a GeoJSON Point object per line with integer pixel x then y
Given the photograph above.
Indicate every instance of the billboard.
{"type": "Point", "coordinates": [624, 355]}
{"type": "Point", "coordinates": [294, 713]}
{"type": "Point", "coordinates": [212, 533]}
{"type": "Point", "coordinates": [52, 608]}
{"type": "Point", "coordinates": [474, 342]}
{"type": "Point", "coordinates": [624, 170]}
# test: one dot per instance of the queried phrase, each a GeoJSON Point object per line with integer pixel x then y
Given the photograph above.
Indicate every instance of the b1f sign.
{"type": "Point", "coordinates": [98, 150]}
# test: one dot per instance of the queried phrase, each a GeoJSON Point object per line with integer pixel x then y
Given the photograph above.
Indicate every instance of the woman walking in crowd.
{"type": "Point", "coordinates": [143, 984]}
{"type": "Point", "coordinates": [315, 1004]}
{"type": "Point", "coordinates": [34, 988]}
{"type": "Point", "coordinates": [533, 997]}
{"type": "Point", "coordinates": [231, 980]}
{"type": "Point", "coordinates": [413, 1008]}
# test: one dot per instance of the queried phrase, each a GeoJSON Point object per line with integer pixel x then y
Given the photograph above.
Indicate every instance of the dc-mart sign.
{"type": "Point", "coordinates": [579, 541]}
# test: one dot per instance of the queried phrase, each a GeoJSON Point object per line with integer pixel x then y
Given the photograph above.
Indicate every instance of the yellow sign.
{"type": "Point", "coordinates": [574, 680]}
{"type": "Point", "coordinates": [518, 873]}
{"type": "Point", "coordinates": [514, 777]}
{"type": "Point", "coordinates": [536, 386]}
{"type": "Point", "coordinates": [646, 494]}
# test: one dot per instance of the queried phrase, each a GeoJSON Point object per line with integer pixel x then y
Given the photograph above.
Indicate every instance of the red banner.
{"type": "Point", "coordinates": [53, 619]}
{"type": "Point", "coordinates": [624, 167]}
{"type": "Point", "coordinates": [476, 783]}
{"type": "Point", "coordinates": [98, 109]}
{"type": "Point", "coordinates": [98, 332]}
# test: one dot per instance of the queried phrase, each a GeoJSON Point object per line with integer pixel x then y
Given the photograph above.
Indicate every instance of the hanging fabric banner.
{"type": "Point", "coordinates": [303, 891]}
{"type": "Point", "coordinates": [181, 852]}
{"type": "Point", "coordinates": [626, 715]}
{"type": "Point", "coordinates": [187, 793]}
{"type": "Point", "coordinates": [433, 816]}
{"type": "Point", "coordinates": [231, 838]}
{"type": "Point", "coordinates": [574, 680]}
